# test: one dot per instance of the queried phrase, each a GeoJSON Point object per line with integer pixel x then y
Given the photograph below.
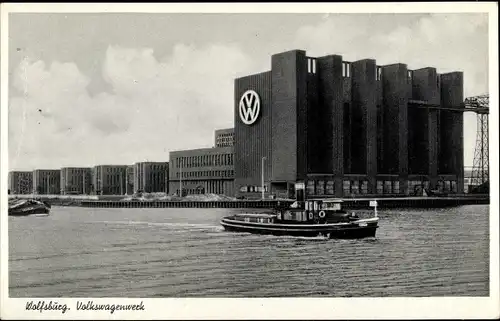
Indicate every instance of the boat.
{"type": "Point", "coordinates": [24, 207]}
{"type": "Point", "coordinates": [311, 218]}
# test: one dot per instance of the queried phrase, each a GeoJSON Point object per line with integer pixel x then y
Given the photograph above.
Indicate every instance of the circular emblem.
{"type": "Point", "coordinates": [249, 107]}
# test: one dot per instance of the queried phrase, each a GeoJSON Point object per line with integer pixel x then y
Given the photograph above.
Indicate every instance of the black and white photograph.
{"type": "Point", "coordinates": [180, 161]}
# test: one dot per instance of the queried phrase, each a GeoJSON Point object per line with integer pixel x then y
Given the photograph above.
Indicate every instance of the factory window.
{"type": "Point", "coordinates": [379, 73]}
{"type": "Point", "coordinates": [410, 76]}
{"type": "Point", "coordinates": [347, 187]}
{"type": "Point", "coordinates": [313, 66]}
{"type": "Point", "coordinates": [416, 187]}
{"type": "Point", "coordinates": [320, 187]}
{"type": "Point", "coordinates": [395, 187]}
{"type": "Point", "coordinates": [330, 187]}
{"type": "Point", "coordinates": [355, 187]}
{"type": "Point", "coordinates": [387, 187]}
{"type": "Point", "coordinates": [364, 187]}
{"type": "Point", "coordinates": [447, 186]}
{"type": "Point", "coordinates": [453, 188]}
{"type": "Point", "coordinates": [310, 187]}
{"type": "Point", "coordinates": [309, 65]}
{"type": "Point", "coordinates": [380, 187]}
{"type": "Point", "coordinates": [437, 81]}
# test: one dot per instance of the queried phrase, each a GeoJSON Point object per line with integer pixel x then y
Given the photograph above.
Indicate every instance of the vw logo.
{"type": "Point", "coordinates": [249, 107]}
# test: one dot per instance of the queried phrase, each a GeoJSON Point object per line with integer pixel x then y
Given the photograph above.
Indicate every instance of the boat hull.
{"type": "Point", "coordinates": [29, 208]}
{"type": "Point", "coordinates": [334, 232]}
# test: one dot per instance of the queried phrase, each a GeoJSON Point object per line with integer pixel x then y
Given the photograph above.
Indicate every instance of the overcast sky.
{"type": "Point", "coordinates": [89, 89]}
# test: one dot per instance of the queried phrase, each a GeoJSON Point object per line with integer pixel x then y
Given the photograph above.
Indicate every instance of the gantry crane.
{"type": "Point", "coordinates": [480, 169]}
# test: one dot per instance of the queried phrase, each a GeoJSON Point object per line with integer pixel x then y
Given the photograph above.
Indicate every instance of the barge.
{"type": "Point", "coordinates": [25, 207]}
{"type": "Point", "coordinates": [312, 218]}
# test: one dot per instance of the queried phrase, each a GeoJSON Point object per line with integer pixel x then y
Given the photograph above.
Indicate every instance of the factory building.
{"type": "Point", "coordinates": [47, 181]}
{"type": "Point", "coordinates": [224, 137]}
{"type": "Point", "coordinates": [130, 180]}
{"type": "Point", "coordinates": [20, 182]}
{"type": "Point", "coordinates": [202, 171]}
{"type": "Point", "coordinates": [340, 128]}
{"type": "Point", "coordinates": [151, 177]}
{"type": "Point", "coordinates": [110, 179]}
{"type": "Point", "coordinates": [75, 180]}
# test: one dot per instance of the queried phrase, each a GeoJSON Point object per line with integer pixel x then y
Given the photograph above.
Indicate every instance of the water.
{"type": "Point", "coordinates": [78, 252]}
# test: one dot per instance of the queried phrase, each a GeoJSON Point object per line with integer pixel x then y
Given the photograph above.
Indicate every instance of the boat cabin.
{"type": "Point", "coordinates": [256, 218]}
{"type": "Point", "coordinates": [315, 211]}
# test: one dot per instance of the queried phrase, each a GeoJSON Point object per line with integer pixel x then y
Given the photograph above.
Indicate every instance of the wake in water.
{"type": "Point", "coordinates": [165, 224]}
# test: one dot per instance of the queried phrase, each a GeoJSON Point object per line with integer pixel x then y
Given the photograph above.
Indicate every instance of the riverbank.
{"type": "Point", "coordinates": [221, 202]}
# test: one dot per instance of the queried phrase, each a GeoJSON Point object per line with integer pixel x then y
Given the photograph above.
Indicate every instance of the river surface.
{"type": "Point", "coordinates": [82, 252]}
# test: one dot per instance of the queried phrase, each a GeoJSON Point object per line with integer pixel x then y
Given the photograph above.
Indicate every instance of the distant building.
{"type": "Point", "coordinates": [130, 179]}
{"type": "Point", "coordinates": [109, 179]}
{"type": "Point", "coordinates": [202, 171]}
{"type": "Point", "coordinates": [75, 180]}
{"type": "Point", "coordinates": [20, 182]}
{"type": "Point", "coordinates": [151, 177]}
{"type": "Point", "coordinates": [224, 137]}
{"type": "Point", "coordinates": [47, 181]}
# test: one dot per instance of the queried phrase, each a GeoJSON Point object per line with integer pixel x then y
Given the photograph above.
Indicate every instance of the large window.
{"type": "Point", "coordinates": [346, 69]}
{"type": "Point", "coordinates": [364, 187]}
{"type": "Point", "coordinates": [346, 186]}
{"type": "Point", "coordinates": [320, 187]}
{"type": "Point", "coordinates": [355, 187]}
{"type": "Point", "coordinates": [454, 187]}
{"type": "Point", "coordinates": [310, 188]}
{"type": "Point", "coordinates": [395, 188]}
{"type": "Point", "coordinates": [387, 187]}
{"type": "Point", "coordinates": [330, 187]}
{"type": "Point", "coordinates": [378, 75]}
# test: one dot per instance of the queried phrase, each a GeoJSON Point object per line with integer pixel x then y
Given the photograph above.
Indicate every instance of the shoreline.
{"type": "Point", "coordinates": [350, 203]}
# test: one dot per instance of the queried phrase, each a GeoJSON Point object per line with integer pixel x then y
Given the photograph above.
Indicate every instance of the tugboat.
{"type": "Point", "coordinates": [25, 207]}
{"type": "Point", "coordinates": [312, 218]}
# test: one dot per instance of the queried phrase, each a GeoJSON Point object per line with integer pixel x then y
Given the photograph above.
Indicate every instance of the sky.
{"type": "Point", "coordinates": [108, 88]}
